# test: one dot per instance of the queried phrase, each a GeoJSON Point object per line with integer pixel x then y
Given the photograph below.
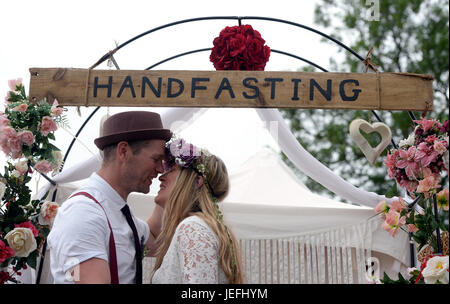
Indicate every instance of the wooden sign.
{"type": "Point", "coordinates": [262, 89]}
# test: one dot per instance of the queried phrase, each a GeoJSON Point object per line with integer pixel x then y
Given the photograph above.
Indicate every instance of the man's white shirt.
{"type": "Point", "coordinates": [80, 232]}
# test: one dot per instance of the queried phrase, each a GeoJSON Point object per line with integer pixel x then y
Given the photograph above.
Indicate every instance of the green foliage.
{"type": "Point", "coordinates": [410, 36]}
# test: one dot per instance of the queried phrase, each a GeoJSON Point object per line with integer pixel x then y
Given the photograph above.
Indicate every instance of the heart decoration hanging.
{"type": "Point", "coordinates": [355, 133]}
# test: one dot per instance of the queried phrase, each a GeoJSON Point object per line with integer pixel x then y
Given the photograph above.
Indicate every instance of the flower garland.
{"type": "Point", "coordinates": [25, 133]}
{"type": "Point", "coordinates": [239, 48]}
{"type": "Point", "coordinates": [417, 166]}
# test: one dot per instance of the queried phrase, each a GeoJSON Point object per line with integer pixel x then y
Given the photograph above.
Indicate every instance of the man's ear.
{"type": "Point", "coordinates": [123, 150]}
{"type": "Point", "coordinates": [199, 181]}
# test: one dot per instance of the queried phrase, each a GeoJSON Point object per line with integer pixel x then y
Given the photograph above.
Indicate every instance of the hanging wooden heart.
{"type": "Point", "coordinates": [355, 133]}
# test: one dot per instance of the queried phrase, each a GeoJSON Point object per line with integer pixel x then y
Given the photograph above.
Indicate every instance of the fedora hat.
{"type": "Point", "coordinates": [131, 126]}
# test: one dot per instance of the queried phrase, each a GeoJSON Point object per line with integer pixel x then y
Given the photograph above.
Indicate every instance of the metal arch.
{"type": "Point", "coordinates": [109, 55]}
{"type": "Point", "coordinates": [239, 18]}
{"type": "Point", "coordinates": [208, 49]}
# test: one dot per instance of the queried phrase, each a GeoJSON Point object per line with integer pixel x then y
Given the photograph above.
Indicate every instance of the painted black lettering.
{"type": "Point", "coordinates": [246, 84]}
{"type": "Point", "coordinates": [326, 94]}
{"type": "Point", "coordinates": [272, 85]}
{"type": "Point", "coordinates": [103, 86]}
{"type": "Point", "coordinates": [146, 81]}
{"type": "Point", "coordinates": [355, 91]}
{"type": "Point", "coordinates": [197, 87]}
{"type": "Point", "coordinates": [224, 85]}
{"type": "Point", "coordinates": [170, 94]}
{"type": "Point", "coordinates": [127, 83]}
{"type": "Point", "coordinates": [296, 82]}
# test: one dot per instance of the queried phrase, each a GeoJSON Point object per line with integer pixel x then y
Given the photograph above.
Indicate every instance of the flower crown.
{"type": "Point", "coordinates": [186, 155]}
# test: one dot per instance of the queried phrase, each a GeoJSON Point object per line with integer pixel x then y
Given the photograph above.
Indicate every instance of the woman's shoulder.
{"type": "Point", "coordinates": [194, 224]}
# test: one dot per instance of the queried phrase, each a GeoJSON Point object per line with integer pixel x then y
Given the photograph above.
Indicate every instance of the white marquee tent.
{"type": "Point", "coordinates": [287, 233]}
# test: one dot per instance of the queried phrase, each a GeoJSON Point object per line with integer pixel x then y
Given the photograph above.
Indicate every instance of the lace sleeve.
{"type": "Point", "coordinates": [198, 256]}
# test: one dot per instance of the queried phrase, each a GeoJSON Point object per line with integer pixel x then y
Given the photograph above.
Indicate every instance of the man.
{"type": "Point", "coordinates": [95, 238]}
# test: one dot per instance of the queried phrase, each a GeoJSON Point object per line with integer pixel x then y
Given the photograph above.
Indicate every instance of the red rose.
{"type": "Point", "coordinates": [28, 225]}
{"type": "Point", "coordinates": [239, 48]}
{"type": "Point", "coordinates": [5, 252]}
{"type": "Point", "coordinates": [4, 277]}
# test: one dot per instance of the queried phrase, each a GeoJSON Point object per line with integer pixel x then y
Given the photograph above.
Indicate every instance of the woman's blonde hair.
{"type": "Point", "coordinates": [187, 199]}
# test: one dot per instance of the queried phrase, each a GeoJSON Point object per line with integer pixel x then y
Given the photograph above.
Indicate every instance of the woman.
{"type": "Point", "coordinates": [194, 246]}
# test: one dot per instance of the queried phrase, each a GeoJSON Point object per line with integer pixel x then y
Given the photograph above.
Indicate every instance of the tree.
{"type": "Point", "coordinates": [410, 36]}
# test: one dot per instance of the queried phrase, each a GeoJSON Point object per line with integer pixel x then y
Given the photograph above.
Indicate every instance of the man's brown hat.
{"type": "Point", "coordinates": [131, 126]}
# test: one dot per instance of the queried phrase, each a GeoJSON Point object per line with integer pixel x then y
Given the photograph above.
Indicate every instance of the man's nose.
{"type": "Point", "coordinates": [159, 167]}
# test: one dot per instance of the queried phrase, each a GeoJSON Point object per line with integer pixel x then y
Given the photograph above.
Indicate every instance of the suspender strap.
{"type": "Point", "coordinates": [112, 245]}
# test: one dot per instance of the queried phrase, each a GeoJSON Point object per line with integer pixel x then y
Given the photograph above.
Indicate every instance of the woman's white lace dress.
{"type": "Point", "coordinates": [192, 256]}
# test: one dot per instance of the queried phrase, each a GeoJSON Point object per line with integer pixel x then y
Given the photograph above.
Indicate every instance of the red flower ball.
{"type": "Point", "coordinates": [239, 48]}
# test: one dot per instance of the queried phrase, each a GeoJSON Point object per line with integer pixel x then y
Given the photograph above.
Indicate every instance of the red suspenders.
{"type": "Point", "coordinates": [112, 246]}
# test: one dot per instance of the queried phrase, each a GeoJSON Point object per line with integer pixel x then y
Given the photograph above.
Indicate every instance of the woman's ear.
{"type": "Point", "coordinates": [199, 181]}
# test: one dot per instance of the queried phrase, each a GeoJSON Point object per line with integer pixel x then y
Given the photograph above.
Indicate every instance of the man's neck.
{"type": "Point", "coordinates": [112, 177]}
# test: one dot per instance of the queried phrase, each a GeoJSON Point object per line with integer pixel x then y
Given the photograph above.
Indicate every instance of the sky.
{"type": "Point", "coordinates": [75, 34]}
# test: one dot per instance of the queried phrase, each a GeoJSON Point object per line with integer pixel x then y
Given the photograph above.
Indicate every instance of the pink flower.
{"type": "Point", "coordinates": [26, 137]}
{"type": "Point", "coordinates": [440, 146]}
{"type": "Point", "coordinates": [22, 167]}
{"type": "Point", "coordinates": [398, 205]}
{"type": "Point", "coordinates": [47, 125]}
{"type": "Point", "coordinates": [406, 161]}
{"type": "Point", "coordinates": [425, 155]}
{"type": "Point", "coordinates": [430, 139]}
{"type": "Point", "coordinates": [408, 185]}
{"type": "Point", "coordinates": [21, 108]}
{"type": "Point", "coordinates": [43, 166]}
{"type": "Point", "coordinates": [8, 96]}
{"type": "Point", "coordinates": [393, 222]}
{"type": "Point", "coordinates": [442, 199]}
{"type": "Point", "coordinates": [412, 228]}
{"type": "Point", "coordinates": [13, 83]}
{"type": "Point", "coordinates": [427, 185]}
{"type": "Point", "coordinates": [48, 212]}
{"type": "Point", "coordinates": [4, 121]}
{"type": "Point", "coordinates": [56, 111]}
{"type": "Point", "coordinates": [5, 252]}
{"type": "Point", "coordinates": [382, 207]}
{"type": "Point", "coordinates": [10, 142]}
{"type": "Point", "coordinates": [427, 124]}
{"type": "Point", "coordinates": [28, 225]}
{"type": "Point", "coordinates": [390, 161]}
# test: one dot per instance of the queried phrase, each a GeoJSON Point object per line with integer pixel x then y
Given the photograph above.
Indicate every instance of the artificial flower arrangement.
{"type": "Point", "coordinates": [25, 132]}
{"type": "Point", "coordinates": [239, 48]}
{"type": "Point", "coordinates": [417, 166]}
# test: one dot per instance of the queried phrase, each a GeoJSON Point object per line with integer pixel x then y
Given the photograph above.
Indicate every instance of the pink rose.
{"type": "Point", "coordinates": [5, 252]}
{"type": "Point", "coordinates": [56, 111]}
{"type": "Point", "coordinates": [8, 96]}
{"type": "Point", "coordinates": [43, 166]}
{"type": "Point", "coordinates": [22, 167]}
{"type": "Point", "coordinates": [21, 108]}
{"type": "Point", "coordinates": [4, 121]}
{"type": "Point", "coordinates": [47, 125]}
{"type": "Point", "coordinates": [28, 225]}
{"type": "Point", "coordinates": [27, 137]}
{"type": "Point", "coordinates": [13, 83]}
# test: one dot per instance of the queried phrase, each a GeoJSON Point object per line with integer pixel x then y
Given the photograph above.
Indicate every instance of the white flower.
{"type": "Point", "coordinates": [58, 159]}
{"type": "Point", "coordinates": [48, 213]}
{"type": "Point", "coordinates": [2, 190]}
{"type": "Point", "coordinates": [445, 159]}
{"type": "Point", "coordinates": [22, 241]}
{"type": "Point", "coordinates": [408, 142]}
{"type": "Point", "coordinates": [22, 167]}
{"type": "Point", "coordinates": [437, 269]}
{"type": "Point", "coordinates": [16, 173]}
